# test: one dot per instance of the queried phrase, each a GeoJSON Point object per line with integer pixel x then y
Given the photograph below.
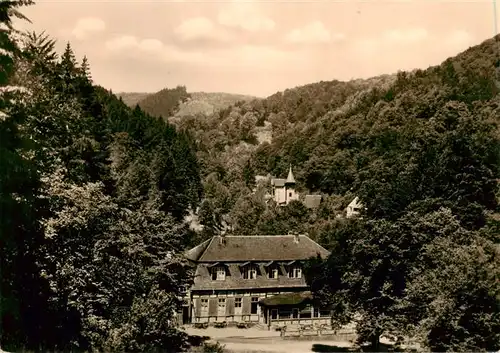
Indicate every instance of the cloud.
{"type": "Point", "coordinates": [132, 43]}
{"type": "Point", "coordinates": [391, 39]}
{"type": "Point", "coordinates": [87, 26]}
{"type": "Point", "coordinates": [459, 38]}
{"type": "Point", "coordinates": [314, 32]}
{"type": "Point", "coordinates": [243, 56]}
{"type": "Point", "coordinates": [151, 45]}
{"type": "Point", "coordinates": [122, 42]}
{"type": "Point", "coordinates": [200, 28]}
{"type": "Point", "coordinates": [409, 35]}
{"type": "Point", "coordinates": [157, 50]}
{"type": "Point", "coordinates": [251, 56]}
{"type": "Point", "coordinates": [246, 16]}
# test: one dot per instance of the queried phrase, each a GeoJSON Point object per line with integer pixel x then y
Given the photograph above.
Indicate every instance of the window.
{"type": "Point", "coordinates": [253, 307]}
{"type": "Point", "coordinates": [222, 307]}
{"type": "Point", "coordinates": [289, 194]}
{"type": "Point", "coordinates": [273, 273]}
{"type": "Point", "coordinates": [237, 302]}
{"type": "Point", "coordinates": [295, 272]}
{"type": "Point", "coordinates": [250, 272]}
{"type": "Point", "coordinates": [274, 314]}
{"type": "Point", "coordinates": [218, 273]}
{"type": "Point", "coordinates": [204, 306]}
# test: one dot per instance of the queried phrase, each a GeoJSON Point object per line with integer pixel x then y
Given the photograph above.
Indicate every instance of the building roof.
{"type": "Point", "coordinates": [194, 253]}
{"type": "Point", "coordinates": [296, 298]}
{"type": "Point", "coordinates": [290, 179]}
{"type": "Point", "coordinates": [278, 182]}
{"type": "Point", "coordinates": [234, 279]}
{"type": "Point", "coordinates": [259, 178]}
{"type": "Point", "coordinates": [355, 203]}
{"type": "Point", "coordinates": [241, 248]}
{"type": "Point", "coordinates": [312, 201]}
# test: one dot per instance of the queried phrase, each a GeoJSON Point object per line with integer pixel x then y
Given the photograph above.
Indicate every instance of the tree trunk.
{"type": "Point", "coordinates": [375, 342]}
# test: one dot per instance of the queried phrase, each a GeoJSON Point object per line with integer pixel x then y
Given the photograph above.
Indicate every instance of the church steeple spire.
{"type": "Point", "coordinates": [290, 179]}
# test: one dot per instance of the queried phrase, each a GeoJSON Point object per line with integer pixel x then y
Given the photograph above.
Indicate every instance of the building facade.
{"type": "Point", "coordinates": [236, 274]}
{"type": "Point", "coordinates": [291, 308]}
{"type": "Point", "coordinates": [283, 190]}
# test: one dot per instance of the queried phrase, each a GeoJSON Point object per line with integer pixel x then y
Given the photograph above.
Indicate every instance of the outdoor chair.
{"type": "Point", "coordinates": [220, 324]}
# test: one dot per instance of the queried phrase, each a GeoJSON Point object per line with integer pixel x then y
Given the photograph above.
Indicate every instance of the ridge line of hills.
{"type": "Point", "coordinates": [162, 104]}
{"type": "Point", "coordinates": [96, 195]}
{"type": "Point", "coordinates": [339, 135]}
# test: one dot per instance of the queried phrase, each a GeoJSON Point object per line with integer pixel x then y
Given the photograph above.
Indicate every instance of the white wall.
{"type": "Point", "coordinates": [291, 195]}
{"type": "Point", "coordinates": [279, 195]}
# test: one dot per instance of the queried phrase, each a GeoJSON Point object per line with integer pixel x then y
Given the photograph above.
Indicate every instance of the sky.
{"type": "Point", "coordinates": [257, 47]}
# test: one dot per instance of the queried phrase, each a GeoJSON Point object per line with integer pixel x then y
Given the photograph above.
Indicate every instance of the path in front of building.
{"type": "Point", "coordinates": [256, 340]}
{"type": "Point", "coordinates": [277, 345]}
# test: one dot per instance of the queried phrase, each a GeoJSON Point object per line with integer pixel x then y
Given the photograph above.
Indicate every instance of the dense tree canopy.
{"type": "Point", "coordinates": [93, 196]}
{"type": "Point", "coordinates": [420, 149]}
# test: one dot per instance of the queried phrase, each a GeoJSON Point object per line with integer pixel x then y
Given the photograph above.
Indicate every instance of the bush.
{"type": "Point", "coordinates": [213, 347]}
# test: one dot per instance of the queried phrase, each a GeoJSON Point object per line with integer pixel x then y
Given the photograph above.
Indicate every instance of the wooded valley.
{"type": "Point", "coordinates": [97, 198]}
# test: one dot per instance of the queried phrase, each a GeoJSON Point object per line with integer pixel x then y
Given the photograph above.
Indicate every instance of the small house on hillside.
{"type": "Point", "coordinates": [252, 279]}
{"type": "Point", "coordinates": [354, 208]}
{"type": "Point", "coordinates": [283, 192]}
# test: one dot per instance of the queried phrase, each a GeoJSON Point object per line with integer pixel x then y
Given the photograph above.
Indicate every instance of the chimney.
{"type": "Point", "coordinates": [295, 237]}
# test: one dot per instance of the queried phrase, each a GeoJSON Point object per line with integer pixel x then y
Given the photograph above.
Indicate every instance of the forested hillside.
{"type": "Point", "coordinates": [233, 146]}
{"type": "Point", "coordinates": [94, 196]}
{"type": "Point", "coordinates": [343, 139]}
{"type": "Point", "coordinates": [421, 150]}
{"type": "Point", "coordinates": [92, 199]}
{"type": "Point", "coordinates": [209, 102]}
{"type": "Point", "coordinates": [177, 101]}
{"type": "Point", "coordinates": [132, 98]}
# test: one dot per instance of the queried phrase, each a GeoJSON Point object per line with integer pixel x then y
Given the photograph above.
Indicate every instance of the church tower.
{"type": "Point", "coordinates": [290, 193]}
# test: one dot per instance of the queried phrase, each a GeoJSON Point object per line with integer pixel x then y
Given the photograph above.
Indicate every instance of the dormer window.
{"type": "Point", "coordinates": [249, 270]}
{"type": "Point", "coordinates": [218, 272]}
{"type": "Point", "coordinates": [272, 269]}
{"type": "Point", "coordinates": [273, 273]}
{"type": "Point", "coordinates": [294, 270]}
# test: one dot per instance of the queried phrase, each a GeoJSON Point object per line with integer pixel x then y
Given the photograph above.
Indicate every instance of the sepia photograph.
{"type": "Point", "coordinates": [249, 176]}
